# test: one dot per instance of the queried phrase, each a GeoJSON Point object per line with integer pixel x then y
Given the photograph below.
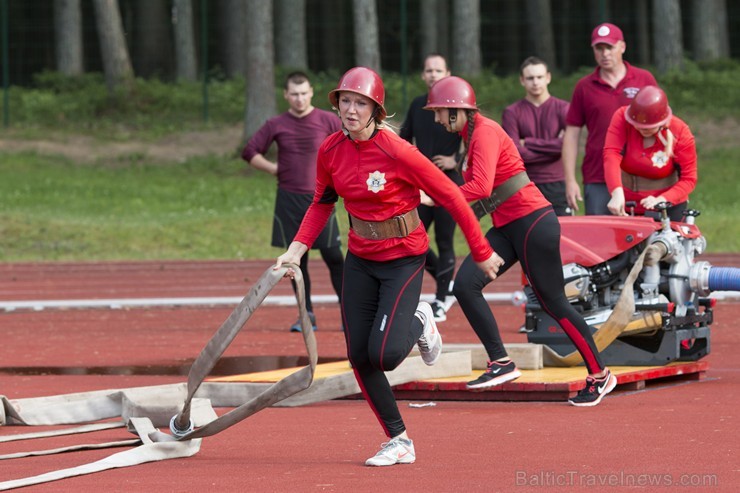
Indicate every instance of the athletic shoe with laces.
{"type": "Point", "coordinates": [430, 342]}
{"type": "Point", "coordinates": [438, 309]}
{"type": "Point", "coordinates": [595, 390]}
{"type": "Point", "coordinates": [397, 451]}
{"type": "Point", "coordinates": [498, 372]}
{"type": "Point", "coordinates": [449, 298]}
{"type": "Point", "coordinates": [296, 327]}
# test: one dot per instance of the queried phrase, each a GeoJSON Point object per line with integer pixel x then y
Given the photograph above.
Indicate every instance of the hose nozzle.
{"type": "Point", "coordinates": [178, 429]}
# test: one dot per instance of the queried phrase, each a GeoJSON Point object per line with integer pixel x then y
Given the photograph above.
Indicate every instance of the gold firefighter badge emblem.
{"type": "Point", "coordinates": [376, 181]}
{"type": "Point", "coordinates": [660, 159]}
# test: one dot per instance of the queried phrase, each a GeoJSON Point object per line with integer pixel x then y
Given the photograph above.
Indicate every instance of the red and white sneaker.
{"type": "Point", "coordinates": [397, 451]}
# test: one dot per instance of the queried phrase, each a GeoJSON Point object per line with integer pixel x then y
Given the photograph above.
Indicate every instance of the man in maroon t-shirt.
{"type": "Point", "coordinates": [298, 133]}
{"type": "Point", "coordinates": [595, 99]}
{"type": "Point", "coordinates": [536, 125]}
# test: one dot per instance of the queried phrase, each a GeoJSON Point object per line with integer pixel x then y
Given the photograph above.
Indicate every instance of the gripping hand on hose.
{"type": "Point", "coordinates": [293, 255]}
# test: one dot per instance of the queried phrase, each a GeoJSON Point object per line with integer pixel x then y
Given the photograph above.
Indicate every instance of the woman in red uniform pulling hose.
{"type": "Point", "coordinates": [379, 176]}
{"type": "Point", "coordinates": [525, 229]}
{"type": "Point", "coordinates": [649, 156]}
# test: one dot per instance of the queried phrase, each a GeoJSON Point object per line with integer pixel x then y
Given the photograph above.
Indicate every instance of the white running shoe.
{"type": "Point", "coordinates": [430, 342]}
{"type": "Point", "coordinates": [397, 451]}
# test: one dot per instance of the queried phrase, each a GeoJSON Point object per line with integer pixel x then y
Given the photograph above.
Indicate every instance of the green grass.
{"type": "Point", "coordinates": [210, 207]}
{"type": "Point", "coordinates": [717, 196]}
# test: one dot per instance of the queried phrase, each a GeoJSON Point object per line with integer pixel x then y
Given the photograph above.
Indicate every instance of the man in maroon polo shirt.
{"type": "Point", "coordinates": [595, 99]}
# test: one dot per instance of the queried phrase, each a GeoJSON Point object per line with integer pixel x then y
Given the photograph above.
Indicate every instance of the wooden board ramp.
{"type": "Point", "coordinates": [548, 383]}
{"type": "Point", "coordinates": [336, 380]}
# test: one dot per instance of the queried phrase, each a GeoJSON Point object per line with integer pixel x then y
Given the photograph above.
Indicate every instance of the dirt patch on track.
{"type": "Point", "coordinates": [176, 147]}
{"type": "Point", "coordinates": [710, 134]}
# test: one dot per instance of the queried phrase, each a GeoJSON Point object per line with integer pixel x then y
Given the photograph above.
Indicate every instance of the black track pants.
{"type": "Point", "coordinates": [533, 240]}
{"type": "Point", "coordinates": [379, 300]}
{"type": "Point", "coordinates": [440, 265]}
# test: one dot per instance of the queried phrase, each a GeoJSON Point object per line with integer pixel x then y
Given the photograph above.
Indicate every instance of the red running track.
{"type": "Point", "coordinates": [664, 435]}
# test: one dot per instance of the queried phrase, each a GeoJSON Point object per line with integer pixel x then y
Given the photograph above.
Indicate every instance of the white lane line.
{"type": "Point", "coordinates": [120, 303]}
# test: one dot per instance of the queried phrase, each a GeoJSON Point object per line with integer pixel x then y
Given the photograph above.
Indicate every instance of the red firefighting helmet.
{"type": "Point", "coordinates": [649, 109]}
{"type": "Point", "coordinates": [364, 81]}
{"type": "Point", "coordinates": [451, 92]}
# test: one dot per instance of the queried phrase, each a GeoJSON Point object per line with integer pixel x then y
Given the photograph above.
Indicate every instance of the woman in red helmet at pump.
{"type": "Point", "coordinates": [379, 176]}
{"type": "Point", "coordinates": [525, 229]}
{"type": "Point", "coordinates": [649, 156]}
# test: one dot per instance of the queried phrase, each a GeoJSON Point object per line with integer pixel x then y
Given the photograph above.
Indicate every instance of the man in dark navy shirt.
{"type": "Point", "coordinates": [440, 147]}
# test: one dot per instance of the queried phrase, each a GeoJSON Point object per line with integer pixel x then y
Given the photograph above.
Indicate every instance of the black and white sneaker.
{"type": "Point", "coordinates": [498, 372]}
{"type": "Point", "coordinates": [449, 298]}
{"type": "Point", "coordinates": [594, 391]}
{"type": "Point", "coordinates": [439, 311]}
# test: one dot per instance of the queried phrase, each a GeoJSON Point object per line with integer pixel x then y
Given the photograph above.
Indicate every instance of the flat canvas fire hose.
{"type": "Point", "coordinates": [619, 319]}
{"type": "Point", "coordinates": [189, 426]}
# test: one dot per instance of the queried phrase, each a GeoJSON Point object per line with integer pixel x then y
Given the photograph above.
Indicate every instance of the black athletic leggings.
{"type": "Point", "coordinates": [378, 306]}
{"type": "Point", "coordinates": [440, 265]}
{"type": "Point", "coordinates": [334, 261]}
{"type": "Point", "coordinates": [533, 240]}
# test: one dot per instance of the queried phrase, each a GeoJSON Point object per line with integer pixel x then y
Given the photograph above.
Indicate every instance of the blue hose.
{"type": "Point", "coordinates": [724, 279]}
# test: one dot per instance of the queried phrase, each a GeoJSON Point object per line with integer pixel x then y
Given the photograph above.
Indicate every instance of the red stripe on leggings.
{"type": "Point", "coordinates": [572, 332]}
{"type": "Point", "coordinates": [370, 403]}
{"type": "Point", "coordinates": [575, 335]}
{"type": "Point", "coordinates": [392, 314]}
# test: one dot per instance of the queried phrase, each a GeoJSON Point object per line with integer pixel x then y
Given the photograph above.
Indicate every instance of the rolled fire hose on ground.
{"type": "Point", "coordinates": [185, 441]}
{"type": "Point", "coordinates": [619, 319]}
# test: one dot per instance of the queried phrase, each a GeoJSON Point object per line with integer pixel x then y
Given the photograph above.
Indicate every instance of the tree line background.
{"type": "Point", "coordinates": [192, 40]}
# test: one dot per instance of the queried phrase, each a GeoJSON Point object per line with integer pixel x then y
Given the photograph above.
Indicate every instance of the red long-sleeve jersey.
{"type": "Point", "coordinates": [492, 159]}
{"type": "Point", "coordinates": [380, 178]}
{"type": "Point", "coordinates": [624, 150]}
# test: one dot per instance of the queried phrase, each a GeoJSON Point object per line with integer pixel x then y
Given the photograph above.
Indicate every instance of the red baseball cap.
{"type": "Point", "coordinates": [606, 33]}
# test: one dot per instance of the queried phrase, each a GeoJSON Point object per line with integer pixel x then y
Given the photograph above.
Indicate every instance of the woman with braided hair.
{"type": "Point", "coordinates": [525, 229]}
{"type": "Point", "coordinates": [649, 157]}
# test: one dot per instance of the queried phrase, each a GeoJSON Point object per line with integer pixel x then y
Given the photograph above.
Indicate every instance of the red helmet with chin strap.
{"type": "Point", "coordinates": [451, 92]}
{"type": "Point", "coordinates": [649, 109]}
{"type": "Point", "coordinates": [364, 81]}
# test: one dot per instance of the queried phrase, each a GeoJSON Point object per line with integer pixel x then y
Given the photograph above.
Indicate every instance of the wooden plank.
{"type": "Point", "coordinates": [547, 384]}
{"type": "Point", "coordinates": [526, 356]}
{"type": "Point", "coordinates": [636, 385]}
{"type": "Point", "coordinates": [414, 380]}
{"type": "Point", "coordinates": [412, 369]}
